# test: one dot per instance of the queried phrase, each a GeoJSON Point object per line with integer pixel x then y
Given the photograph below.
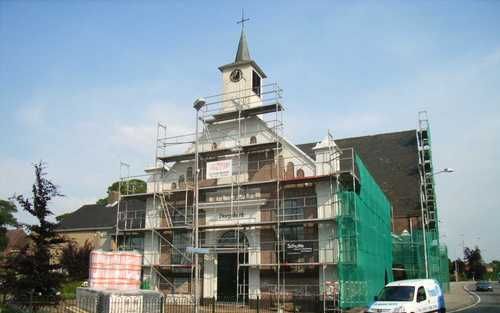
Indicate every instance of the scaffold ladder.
{"type": "Point", "coordinates": [165, 209]}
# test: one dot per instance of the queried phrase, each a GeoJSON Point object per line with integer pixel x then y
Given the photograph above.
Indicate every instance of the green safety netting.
{"type": "Point", "coordinates": [365, 244]}
{"type": "Point", "coordinates": [409, 257]}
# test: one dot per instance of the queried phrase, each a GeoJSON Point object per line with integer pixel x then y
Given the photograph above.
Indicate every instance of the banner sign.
{"type": "Point", "coordinates": [297, 248]}
{"type": "Point", "coordinates": [219, 169]}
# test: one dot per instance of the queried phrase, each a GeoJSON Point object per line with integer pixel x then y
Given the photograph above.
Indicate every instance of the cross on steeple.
{"type": "Point", "coordinates": [243, 19]}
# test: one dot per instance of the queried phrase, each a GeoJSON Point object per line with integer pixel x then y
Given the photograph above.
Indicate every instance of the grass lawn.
{"type": "Point", "coordinates": [68, 289]}
{"type": "Point", "coordinates": [5, 309]}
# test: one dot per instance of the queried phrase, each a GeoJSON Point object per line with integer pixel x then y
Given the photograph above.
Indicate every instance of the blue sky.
{"type": "Point", "coordinates": [83, 84]}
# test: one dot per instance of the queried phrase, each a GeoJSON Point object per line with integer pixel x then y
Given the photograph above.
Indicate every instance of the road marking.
{"type": "Point", "coordinates": [469, 306]}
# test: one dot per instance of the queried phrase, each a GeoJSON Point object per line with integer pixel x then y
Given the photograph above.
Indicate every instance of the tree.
{"type": "Point", "coordinates": [495, 275]}
{"type": "Point", "coordinates": [76, 260]}
{"type": "Point", "coordinates": [475, 268]}
{"type": "Point", "coordinates": [34, 266]}
{"type": "Point", "coordinates": [457, 265]}
{"type": "Point", "coordinates": [7, 210]}
{"type": "Point", "coordinates": [127, 187]}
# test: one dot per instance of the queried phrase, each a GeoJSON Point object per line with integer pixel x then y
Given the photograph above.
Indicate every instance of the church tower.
{"type": "Point", "coordinates": [242, 79]}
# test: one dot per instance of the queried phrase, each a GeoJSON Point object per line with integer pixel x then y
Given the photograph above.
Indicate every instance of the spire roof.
{"type": "Point", "coordinates": [243, 53]}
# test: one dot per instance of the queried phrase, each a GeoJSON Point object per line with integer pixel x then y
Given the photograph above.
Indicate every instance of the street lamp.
{"type": "Point", "coordinates": [446, 170]}
{"type": "Point", "coordinates": [197, 105]}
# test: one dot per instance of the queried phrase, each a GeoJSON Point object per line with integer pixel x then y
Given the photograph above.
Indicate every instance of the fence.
{"type": "Point", "coordinates": [168, 305]}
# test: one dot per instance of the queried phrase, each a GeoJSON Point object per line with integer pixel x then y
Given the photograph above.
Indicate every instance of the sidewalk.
{"type": "Point", "coordinates": [457, 297]}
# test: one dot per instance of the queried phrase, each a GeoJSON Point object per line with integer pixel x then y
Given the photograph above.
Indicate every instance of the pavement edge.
{"type": "Point", "coordinates": [472, 293]}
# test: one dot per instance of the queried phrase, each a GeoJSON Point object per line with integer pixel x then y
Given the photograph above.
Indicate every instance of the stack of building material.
{"type": "Point", "coordinates": [118, 270]}
{"type": "Point", "coordinates": [119, 301]}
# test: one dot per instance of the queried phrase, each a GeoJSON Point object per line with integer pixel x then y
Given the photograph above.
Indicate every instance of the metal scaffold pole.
{"type": "Point", "coordinates": [198, 104]}
{"type": "Point", "coordinates": [278, 176]}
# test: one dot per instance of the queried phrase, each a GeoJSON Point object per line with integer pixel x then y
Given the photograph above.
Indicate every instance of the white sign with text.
{"type": "Point", "coordinates": [219, 169]}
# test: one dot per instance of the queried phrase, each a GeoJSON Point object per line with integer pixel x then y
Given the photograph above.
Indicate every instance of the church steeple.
{"type": "Point", "coordinates": [243, 77]}
{"type": "Point", "coordinates": [242, 54]}
{"type": "Point", "coordinates": [243, 58]}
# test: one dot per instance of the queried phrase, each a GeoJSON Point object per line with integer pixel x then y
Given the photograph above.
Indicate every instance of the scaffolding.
{"type": "Point", "coordinates": [364, 233]}
{"type": "Point", "coordinates": [418, 252]}
{"type": "Point", "coordinates": [184, 207]}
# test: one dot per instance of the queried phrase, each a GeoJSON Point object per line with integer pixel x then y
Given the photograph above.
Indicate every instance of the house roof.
{"type": "Point", "coordinates": [392, 159]}
{"type": "Point", "coordinates": [16, 240]}
{"type": "Point", "coordinates": [90, 216]}
{"type": "Point", "coordinates": [96, 216]}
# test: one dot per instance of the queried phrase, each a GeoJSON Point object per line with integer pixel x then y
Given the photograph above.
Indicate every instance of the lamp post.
{"type": "Point", "coordinates": [197, 105]}
{"type": "Point", "coordinates": [426, 257]}
{"type": "Point", "coordinates": [444, 170]}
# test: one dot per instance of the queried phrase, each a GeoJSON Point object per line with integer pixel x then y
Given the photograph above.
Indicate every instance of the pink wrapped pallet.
{"type": "Point", "coordinates": [119, 270]}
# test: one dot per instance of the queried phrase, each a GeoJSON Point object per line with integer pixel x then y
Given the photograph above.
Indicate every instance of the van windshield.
{"type": "Point", "coordinates": [397, 293]}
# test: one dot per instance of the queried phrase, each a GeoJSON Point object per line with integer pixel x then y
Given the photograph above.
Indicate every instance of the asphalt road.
{"type": "Point", "coordinates": [490, 301]}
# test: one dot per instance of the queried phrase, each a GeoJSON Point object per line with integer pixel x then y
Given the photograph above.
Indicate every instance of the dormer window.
{"type": "Point", "coordinates": [256, 81]}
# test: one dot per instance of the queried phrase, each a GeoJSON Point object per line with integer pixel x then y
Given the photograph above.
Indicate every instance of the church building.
{"type": "Point", "coordinates": [235, 211]}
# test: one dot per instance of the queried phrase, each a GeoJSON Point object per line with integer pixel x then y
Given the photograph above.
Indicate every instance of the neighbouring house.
{"type": "Point", "coordinates": [17, 240]}
{"type": "Point", "coordinates": [93, 223]}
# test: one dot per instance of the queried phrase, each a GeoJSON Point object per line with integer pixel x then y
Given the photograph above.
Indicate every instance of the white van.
{"type": "Point", "coordinates": [409, 296]}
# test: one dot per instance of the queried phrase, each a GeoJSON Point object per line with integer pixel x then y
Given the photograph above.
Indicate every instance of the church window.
{"type": "Point", "coordinates": [253, 140]}
{"type": "Point", "coordinates": [293, 209]}
{"type": "Point", "coordinates": [295, 232]}
{"type": "Point", "coordinates": [181, 239]}
{"type": "Point", "coordinates": [290, 171]}
{"type": "Point", "coordinates": [256, 83]}
{"type": "Point", "coordinates": [300, 173]}
{"type": "Point", "coordinates": [189, 174]}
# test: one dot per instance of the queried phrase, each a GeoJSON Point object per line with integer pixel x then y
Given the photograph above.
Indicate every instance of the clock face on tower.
{"type": "Point", "coordinates": [236, 75]}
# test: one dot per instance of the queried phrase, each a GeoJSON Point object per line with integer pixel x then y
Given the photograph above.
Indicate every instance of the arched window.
{"type": "Point", "coordinates": [281, 167]}
{"type": "Point", "coordinates": [181, 181]}
{"type": "Point", "coordinates": [214, 145]}
{"type": "Point", "coordinates": [253, 140]}
{"type": "Point", "coordinates": [189, 174]}
{"type": "Point", "coordinates": [300, 173]}
{"type": "Point", "coordinates": [290, 171]}
{"type": "Point", "coordinates": [173, 186]}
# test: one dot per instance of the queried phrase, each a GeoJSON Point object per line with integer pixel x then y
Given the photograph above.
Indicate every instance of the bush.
{"type": "Point", "coordinates": [75, 260]}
